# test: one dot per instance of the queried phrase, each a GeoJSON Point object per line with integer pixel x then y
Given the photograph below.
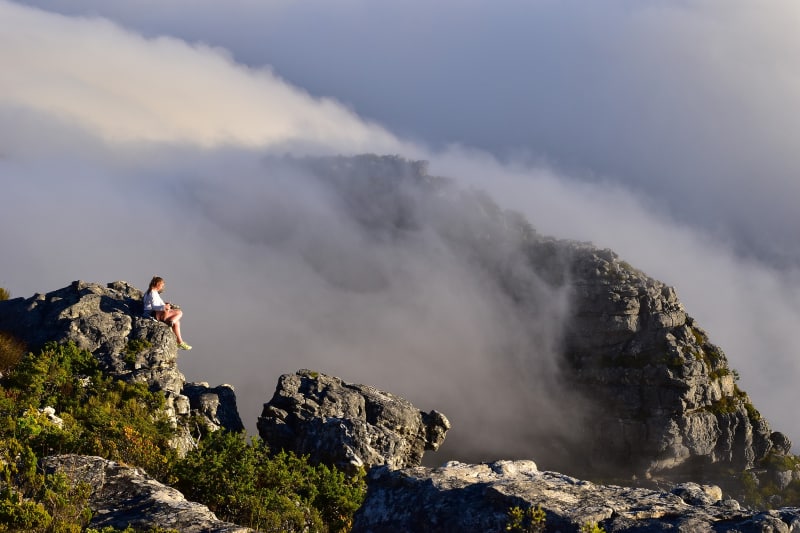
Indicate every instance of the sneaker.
{"type": "Point", "coordinates": [184, 346]}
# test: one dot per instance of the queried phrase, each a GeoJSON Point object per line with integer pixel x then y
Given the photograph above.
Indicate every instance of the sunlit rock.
{"type": "Point", "coordinates": [480, 497]}
{"type": "Point", "coordinates": [106, 320]}
{"type": "Point", "coordinates": [122, 497]}
{"type": "Point", "coordinates": [347, 425]}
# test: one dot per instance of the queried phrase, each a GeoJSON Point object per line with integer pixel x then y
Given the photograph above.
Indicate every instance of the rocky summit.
{"type": "Point", "coordinates": [666, 403]}
{"type": "Point", "coordinates": [106, 320]}
{"type": "Point", "coordinates": [346, 425]}
{"type": "Point", "coordinates": [649, 394]}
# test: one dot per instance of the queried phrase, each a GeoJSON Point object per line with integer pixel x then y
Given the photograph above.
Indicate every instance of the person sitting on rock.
{"type": "Point", "coordinates": [163, 311]}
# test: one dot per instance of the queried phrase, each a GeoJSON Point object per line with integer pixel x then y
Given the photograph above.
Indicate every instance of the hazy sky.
{"type": "Point", "coordinates": [663, 130]}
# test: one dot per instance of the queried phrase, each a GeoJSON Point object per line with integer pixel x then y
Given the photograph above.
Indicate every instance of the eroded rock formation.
{"type": "Point", "coordinates": [347, 425]}
{"type": "Point", "coordinates": [106, 320]}
{"type": "Point", "coordinates": [656, 396]}
{"type": "Point", "coordinates": [123, 497]}
{"type": "Point", "coordinates": [478, 498]}
{"type": "Point", "coordinates": [667, 400]}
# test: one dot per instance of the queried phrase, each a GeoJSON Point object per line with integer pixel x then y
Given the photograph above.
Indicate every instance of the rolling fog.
{"type": "Point", "coordinates": [152, 141]}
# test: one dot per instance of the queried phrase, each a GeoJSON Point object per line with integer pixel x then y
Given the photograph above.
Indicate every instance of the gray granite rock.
{"type": "Point", "coordinates": [346, 425]}
{"type": "Point", "coordinates": [478, 497]}
{"type": "Point", "coordinates": [667, 401]}
{"type": "Point", "coordinates": [122, 496]}
{"type": "Point", "coordinates": [106, 320]}
{"type": "Point", "coordinates": [217, 405]}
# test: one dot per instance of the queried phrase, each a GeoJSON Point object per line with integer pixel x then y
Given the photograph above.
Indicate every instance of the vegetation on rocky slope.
{"type": "Point", "coordinates": [243, 483]}
{"type": "Point", "coordinates": [57, 401]}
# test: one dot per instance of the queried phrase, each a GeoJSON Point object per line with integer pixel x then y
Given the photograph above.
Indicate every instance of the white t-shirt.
{"type": "Point", "coordinates": [152, 302]}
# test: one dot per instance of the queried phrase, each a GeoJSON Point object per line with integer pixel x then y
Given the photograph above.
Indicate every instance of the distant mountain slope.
{"type": "Point", "coordinates": [639, 387]}
{"type": "Point", "coordinates": [591, 367]}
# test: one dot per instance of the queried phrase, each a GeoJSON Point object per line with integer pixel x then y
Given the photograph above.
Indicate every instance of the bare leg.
{"type": "Point", "coordinates": [176, 327]}
{"type": "Point", "coordinates": [173, 318]}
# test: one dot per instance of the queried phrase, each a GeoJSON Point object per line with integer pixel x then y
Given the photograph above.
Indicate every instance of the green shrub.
{"type": "Point", "coordinates": [780, 462]}
{"type": "Point", "coordinates": [530, 520]}
{"type": "Point", "coordinates": [65, 502]}
{"type": "Point", "coordinates": [752, 412]}
{"type": "Point", "coordinates": [133, 349]}
{"type": "Point", "coordinates": [11, 351]}
{"type": "Point", "coordinates": [23, 515]}
{"type": "Point", "coordinates": [592, 527]}
{"type": "Point", "coordinates": [102, 416]}
{"type": "Point", "coordinates": [33, 502]}
{"type": "Point", "coordinates": [4, 294]}
{"type": "Point", "coordinates": [718, 373]}
{"type": "Point", "coordinates": [52, 377]}
{"type": "Point", "coordinates": [243, 483]}
{"type": "Point", "coordinates": [751, 492]}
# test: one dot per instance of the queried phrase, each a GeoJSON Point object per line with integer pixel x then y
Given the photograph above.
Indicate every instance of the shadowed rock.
{"type": "Point", "coordinates": [478, 498]}
{"type": "Point", "coordinates": [216, 404]}
{"type": "Point", "coordinates": [347, 425]}
{"type": "Point", "coordinates": [667, 401]}
{"type": "Point", "coordinates": [124, 497]}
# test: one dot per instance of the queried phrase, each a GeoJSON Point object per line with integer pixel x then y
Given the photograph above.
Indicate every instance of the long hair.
{"type": "Point", "coordinates": [155, 281]}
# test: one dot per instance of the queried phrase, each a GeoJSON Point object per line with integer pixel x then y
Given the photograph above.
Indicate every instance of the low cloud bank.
{"type": "Point", "coordinates": [126, 88]}
{"type": "Point", "coordinates": [124, 180]}
{"type": "Point", "coordinates": [690, 103]}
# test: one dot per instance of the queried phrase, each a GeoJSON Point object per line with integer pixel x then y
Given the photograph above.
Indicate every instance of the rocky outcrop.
{"type": "Point", "coordinates": [123, 497]}
{"type": "Point", "coordinates": [107, 321]}
{"type": "Point", "coordinates": [349, 426]}
{"type": "Point", "coordinates": [217, 405]}
{"type": "Point", "coordinates": [667, 400]}
{"type": "Point", "coordinates": [478, 498]}
{"type": "Point", "coordinates": [656, 397]}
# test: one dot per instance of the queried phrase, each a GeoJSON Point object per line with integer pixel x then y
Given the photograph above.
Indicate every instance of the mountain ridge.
{"type": "Point", "coordinates": [643, 394]}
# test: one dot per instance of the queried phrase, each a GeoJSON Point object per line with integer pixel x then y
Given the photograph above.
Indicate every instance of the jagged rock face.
{"type": "Point", "coordinates": [102, 320]}
{"type": "Point", "coordinates": [107, 321]}
{"type": "Point", "coordinates": [216, 404]}
{"type": "Point", "coordinates": [658, 396]}
{"type": "Point", "coordinates": [666, 396]}
{"type": "Point", "coordinates": [124, 497]}
{"type": "Point", "coordinates": [347, 425]}
{"type": "Point", "coordinates": [478, 498]}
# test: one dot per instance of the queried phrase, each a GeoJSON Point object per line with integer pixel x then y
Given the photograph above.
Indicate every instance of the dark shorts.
{"type": "Point", "coordinates": [156, 315]}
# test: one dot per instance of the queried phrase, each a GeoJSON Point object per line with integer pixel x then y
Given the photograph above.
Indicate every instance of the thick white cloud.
{"type": "Point", "coordinates": [674, 119]}
{"type": "Point", "coordinates": [692, 102]}
{"type": "Point", "coordinates": [128, 88]}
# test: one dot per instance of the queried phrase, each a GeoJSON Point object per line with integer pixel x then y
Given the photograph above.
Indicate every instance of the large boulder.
{"type": "Point", "coordinates": [479, 498]}
{"type": "Point", "coordinates": [346, 425]}
{"type": "Point", "coordinates": [667, 401]}
{"type": "Point", "coordinates": [217, 405]}
{"type": "Point", "coordinates": [123, 497]}
{"type": "Point", "coordinates": [107, 321]}
{"type": "Point", "coordinates": [103, 320]}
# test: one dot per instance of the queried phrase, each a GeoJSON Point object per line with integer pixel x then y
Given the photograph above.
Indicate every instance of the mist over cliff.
{"type": "Point", "coordinates": [370, 268]}
{"type": "Point", "coordinates": [128, 150]}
